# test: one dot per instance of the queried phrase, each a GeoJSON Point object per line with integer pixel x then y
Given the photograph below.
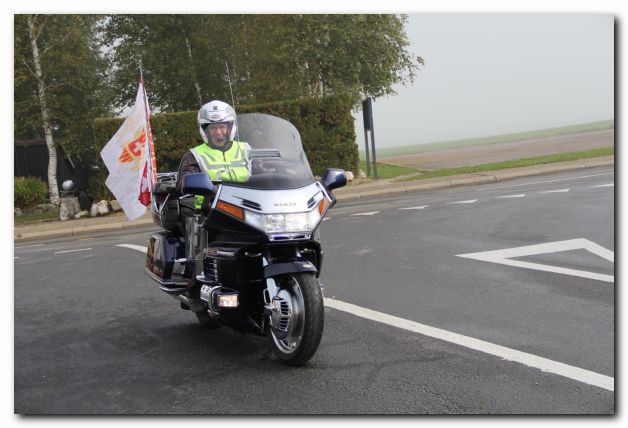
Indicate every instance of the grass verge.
{"type": "Point", "coordinates": [562, 157]}
{"type": "Point", "coordinates": [388, 171]}
{"type": "Point", "coordinates": [27, 218]}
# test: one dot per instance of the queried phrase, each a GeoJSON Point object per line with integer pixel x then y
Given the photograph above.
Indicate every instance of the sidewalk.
{"type": "Point", "coordinates": [350, 192]}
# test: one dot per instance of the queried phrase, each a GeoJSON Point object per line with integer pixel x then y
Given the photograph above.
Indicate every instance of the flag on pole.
{"type": "Point", "coordinates": [130, 159]}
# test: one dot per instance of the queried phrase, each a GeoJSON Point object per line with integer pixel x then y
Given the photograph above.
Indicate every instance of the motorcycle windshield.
{"type": "Point", "coordinates": [277, 159]}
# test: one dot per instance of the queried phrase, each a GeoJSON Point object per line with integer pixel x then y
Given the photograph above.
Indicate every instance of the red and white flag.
{"type": "Point", "coordinates": [130, 159]}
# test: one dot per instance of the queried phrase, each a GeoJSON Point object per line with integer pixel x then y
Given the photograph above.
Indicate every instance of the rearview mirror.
{"type": "Point", "coordinates": [333, 178]}
{"type": "Point", "coordinates": [198, 184]}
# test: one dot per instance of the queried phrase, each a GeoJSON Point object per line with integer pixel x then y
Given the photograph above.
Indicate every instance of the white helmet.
{"type": "Point", "coordinates": [216, 112]}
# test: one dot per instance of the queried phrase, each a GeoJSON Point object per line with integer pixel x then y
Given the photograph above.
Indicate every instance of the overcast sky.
{"type": "Point", "coordinates": [488, 74]}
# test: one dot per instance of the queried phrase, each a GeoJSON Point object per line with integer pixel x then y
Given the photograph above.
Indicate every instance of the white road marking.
{"type": "Point", "coordinates": [520, 195]}
{"type": "Point", "coordinates": [72, 251]}
{"type": "Point", "coordinates": [326, 218]}
{"type": "Point", "coordinates": [555, 191]}
{"type": "Point", "coordinates": [28, 246]}
{"type": "Point", "coordinates": [133, 247]}
{"type": "Point", "coordinates": [368, 213]}
{"type": "Point", "coordinates": [15, 258]}
{"type": "Point", "coordinates": [605, 185]}
{"type": "Point", "coordinates": [545, 181]}
{"type": "Point", "coordinates": [530, 360]}
{"type": "Point", "coordinates": [415, 208]}
{"type": "Point", "coordinates": [470, 201]}
{"type": "Point", "coordinates": [504, 257]}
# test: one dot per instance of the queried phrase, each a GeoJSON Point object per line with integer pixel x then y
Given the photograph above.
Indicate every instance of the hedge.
{"type": "Point", "coordinates": [325, 124]}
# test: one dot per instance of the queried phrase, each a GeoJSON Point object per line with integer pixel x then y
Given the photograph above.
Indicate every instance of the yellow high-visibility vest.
{"type": "Point", "coordinates": [230, 166]}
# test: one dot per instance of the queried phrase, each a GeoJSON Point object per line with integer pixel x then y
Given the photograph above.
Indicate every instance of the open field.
{"type": "Point", "coordinates": [494, 153]}
{"type": "Point", "coordinates": [495, 139]}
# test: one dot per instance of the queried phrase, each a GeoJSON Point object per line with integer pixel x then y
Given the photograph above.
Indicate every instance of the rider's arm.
{"type": "Point", "coordinates": [187, 166]}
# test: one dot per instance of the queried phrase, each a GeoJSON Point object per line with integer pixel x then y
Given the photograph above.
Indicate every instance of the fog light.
{"type": "Point", "coordinates": [227, 300]}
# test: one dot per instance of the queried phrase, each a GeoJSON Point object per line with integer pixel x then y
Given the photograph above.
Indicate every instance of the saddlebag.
{"type": "Point", "coordinates": [164, 249]}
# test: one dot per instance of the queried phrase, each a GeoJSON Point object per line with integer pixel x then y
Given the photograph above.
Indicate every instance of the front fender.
{"type": "Point", "coordinates": [292, 266]}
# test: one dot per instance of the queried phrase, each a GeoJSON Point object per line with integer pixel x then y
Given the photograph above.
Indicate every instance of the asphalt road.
{"type": "Point", "coordinates": [93, 335]}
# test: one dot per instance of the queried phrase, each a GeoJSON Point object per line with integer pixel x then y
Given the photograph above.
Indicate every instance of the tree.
{"type": "Point", "coordinates": [270, 57]}
{"type": "Point", "coordinates": [59, 76]}
{"type": "Point", "coordinates": [182, 67]}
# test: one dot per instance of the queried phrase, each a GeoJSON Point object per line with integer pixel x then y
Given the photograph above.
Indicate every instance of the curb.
{"type": "Point", "coordinates": [480, 178]}
{"type": "Point", "coordinates": [79, 230]}
{"type": "Point", "coordinates": [386, 189]}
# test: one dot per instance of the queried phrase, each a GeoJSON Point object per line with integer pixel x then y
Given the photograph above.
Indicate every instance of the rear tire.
{"type": "Point", "coordinates": [305, 328]}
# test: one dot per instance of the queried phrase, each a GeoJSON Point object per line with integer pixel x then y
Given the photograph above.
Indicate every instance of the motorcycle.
{"type": "Point", "coordinates": [250, 258]}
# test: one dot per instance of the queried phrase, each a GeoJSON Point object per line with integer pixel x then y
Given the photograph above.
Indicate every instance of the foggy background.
{"type": "Point", "coordinates": [489, 74]}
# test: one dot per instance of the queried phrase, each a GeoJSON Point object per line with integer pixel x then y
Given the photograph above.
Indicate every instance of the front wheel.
{"type": "Point", "coordinates": [297, 318]}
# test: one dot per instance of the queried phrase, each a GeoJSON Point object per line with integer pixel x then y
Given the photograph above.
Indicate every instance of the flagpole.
{"type": "Point", "coordinates": [147, 128]}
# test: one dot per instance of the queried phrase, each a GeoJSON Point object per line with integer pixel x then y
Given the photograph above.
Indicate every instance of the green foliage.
{"type": "Point", "coordinates": [74, 74]}
{"type": "Point", "coordinates": [270, 57]}
{"type": "Point", "coordinates": [325, 124]}
{"type": "Point", "coordinates": [29, 191]}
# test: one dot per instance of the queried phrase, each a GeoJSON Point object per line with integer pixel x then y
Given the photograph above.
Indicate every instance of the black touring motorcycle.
{"type": "Point", "coordinates": [250, 259]}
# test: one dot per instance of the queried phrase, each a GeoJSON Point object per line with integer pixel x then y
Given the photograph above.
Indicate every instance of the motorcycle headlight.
{"type": "Point", "coordinates": [278, 223]}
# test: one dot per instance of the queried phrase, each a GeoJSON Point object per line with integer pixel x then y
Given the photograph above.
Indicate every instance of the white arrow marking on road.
{"type": "Point", "coordinates": [605, 185]}
{"type": "Point", "coordinates": [415, 208]}
{"type": "Point", "coordinates": [133, 247]}
{"type": "Point", "coordinates": [369, 213]}
{"type": "Point", "coordinates": [72, 251]}
{"type": "Point", "coordinates": [520, 195]}
{"type": "Point", "coordinates": [505, 256]}
{"type": "Point", "coordinates": [470, 201]}
{"type": "Point", "coordinates": [529, 360]}
{"type": "Point", "coordinates": [555, 191]}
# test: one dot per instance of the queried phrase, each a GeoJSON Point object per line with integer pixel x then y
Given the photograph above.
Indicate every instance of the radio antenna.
{"type": "Point", "coordinates": [232, 101]}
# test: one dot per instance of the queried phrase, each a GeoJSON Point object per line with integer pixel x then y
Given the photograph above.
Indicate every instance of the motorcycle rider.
{"type": "Point", "coordinates": [220, 156]}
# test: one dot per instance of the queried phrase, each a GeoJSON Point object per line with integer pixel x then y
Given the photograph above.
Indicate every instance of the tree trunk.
{"type": "Point", "coordinates": [197, 86]}
{"type": "Point", "coordinates": [45, 114]}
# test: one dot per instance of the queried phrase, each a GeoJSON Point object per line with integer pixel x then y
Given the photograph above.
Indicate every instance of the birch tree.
{"type": "Point", "coordinates": [60, 77]}
{"type": "Point", "coordinates": [35, 27]}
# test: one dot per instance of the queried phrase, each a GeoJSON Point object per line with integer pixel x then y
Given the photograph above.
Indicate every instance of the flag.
{"type": "Point", "coordinates": [130, 159]}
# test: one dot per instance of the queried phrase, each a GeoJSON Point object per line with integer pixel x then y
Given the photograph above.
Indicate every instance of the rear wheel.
{"type": "Point", "coordinates": [297, 318]}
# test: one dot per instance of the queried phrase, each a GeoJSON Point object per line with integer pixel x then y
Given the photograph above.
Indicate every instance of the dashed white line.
{"type": "Point", "coordinates": [72, 251]}
{"type": "Point", "coordinates": [326, 218]}
{"type": "Point", "coordinates": [133, 247]}
{"type": "Point", "coordinates": [415, 208]}
{"type": "Point", "coordinates": [520, 195]}
{"type": "Point", "coordinates": [29, 246]}
{"type": "Point", "coordinates": [605, 185]}
{"type": "Point", "coordinates": [470, 201]}
{"type": "Point", "coordinates": [530, 360]}
{"type": "Point", "coordinates": [368, 213]}
{"type": "Point", "coordinates": [555, 191]}
{"type": "Point", "coordinates": [545, 181]}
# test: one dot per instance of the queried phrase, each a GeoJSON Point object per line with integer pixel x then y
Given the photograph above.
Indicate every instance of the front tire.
{"type": "Point", "coordinates": [296, 337]}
